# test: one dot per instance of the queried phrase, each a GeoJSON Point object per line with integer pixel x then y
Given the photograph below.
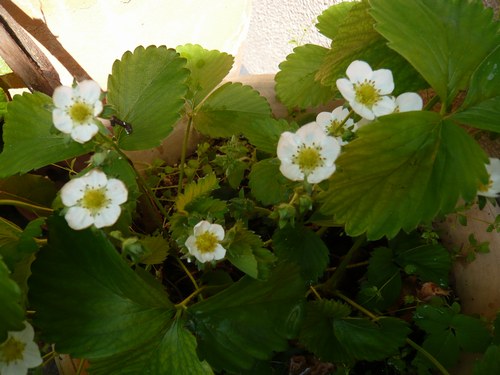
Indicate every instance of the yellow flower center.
{"type": "Point", "coordinates": [335, 130]}
{"type": "Point", "coordinates": [80, 112]}
{"type": "Point", "coordinates": [12, 350]}
{"type": "Point", "coordinates": [206, 242]}
{"type": "Point", "coordinates": [308, 159]}
{"type": "Point", "coordinates": [94, 200]}
{"type": "Point", "coordinates": [366, 93]}
{"type": "Point", "coordinates": [486, 187]}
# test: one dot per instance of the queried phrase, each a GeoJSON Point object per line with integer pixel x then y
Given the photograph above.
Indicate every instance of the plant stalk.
{"type": "Point", "coordinates": [183, 153]}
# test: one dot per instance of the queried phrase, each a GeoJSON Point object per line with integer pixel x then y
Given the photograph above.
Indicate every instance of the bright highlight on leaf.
{"type": "Point", "coordinates": [76, 108]}
{"type": "Point", "coordinates": [93, 200]}
{"type": "Point", "coordinates": [309, 154]}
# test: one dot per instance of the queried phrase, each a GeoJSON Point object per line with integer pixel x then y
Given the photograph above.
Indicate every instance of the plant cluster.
{"type": "Point", "coordinates": [279, 246]}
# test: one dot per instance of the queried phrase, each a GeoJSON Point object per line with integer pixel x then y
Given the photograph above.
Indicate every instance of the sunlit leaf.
{"type": "Point", "coordinates": [30, 140]}
{"type": "Point", "coordinates": [146, 88]}
{"type": "Point", "coordinates": [103, 308]}
{"type": "Point", "coordinates": [194, 190]}
{"type": "Point", "coordinates": [249, 320]}
{"type": "Point", "coordinates": [230, 110]}
{"type": "Point", "coordinates": [296, 85]}
{"type": "Point", "coordinates": [436, 38]}
{"type": "Point", "coordinates": [207, 68]}
{"type": "Point", "coordinates": [330, 20]}
{"type": "Point", "coordinates": [401, 171]}
{"type": "Point", "coordinates": [303, 247]}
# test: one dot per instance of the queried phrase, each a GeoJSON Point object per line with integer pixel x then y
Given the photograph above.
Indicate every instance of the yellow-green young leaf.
{"type": "Point", "coordinates": [147, 88]}
{"type": "Point", "coordinates": [11, 313]}
{"type": "Point", "coordinates": [330, 20]}
{"type": "Point", "coordinates": [435, 37]}
{"type": "Point", "coordinates": [230, 110]}
{"type": "Point", "coordinates": [195, 190]}
{"type": "Point", "coordinates": [30, 140]}
{"type": "Point", "coordinates": [356, 39]}
{"type": "Point", "coordinates": [401, 171]}
{"type": "Point", "coordinates": [103, 308]}
{"type": "Point", "coordinates": [296, 85]}
{"type": "Point", "coordinates": [481, 107]}
{"type": "Point", "coordinates": [207, 68]}
{"type": "Point", "coordinates": [250, 320]}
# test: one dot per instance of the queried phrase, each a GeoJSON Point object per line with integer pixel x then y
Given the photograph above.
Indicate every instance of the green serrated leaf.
{"type": "Point", "coordinates": [11, 313]}
{"type": "Point", "coordinates": [356, 39]}
{"type": "Point", "coordinates": [402, 170]}
{"type": "Point", "coordinates": [303, 247]}
{"type": "Point", "coordinates": [249, 320]}
{"type": "Point", "coordinates": [29, 141]}
{"type": "Point", "coordinates": [317, 334]}
{"type": "Point", "coordinates": [267, 183]}
{"type": "Point", "coordinates": [489, 363]}
{"type": "Point", "coordinates": [147, 88]}
{"type": "Point", "coordinates": [156, 249]}
{"type": "Point", "coordinates": [246, 252]}
{"type": "Point", "coordinates": [454, 53]}
{"type": "Point", "coordinates": [117, 311]}
{"type": "Point", "coordinates": [330, 20]}
{"type": "Point", "coordinates": [196, 189]}
{"type": "Point", "coordinates": [430, 262]}
{"type": "Point", "coordinates": [383, 281]}
{"type": "Point", "coordinates": [230, 110]}
{"type": "Point", "coordinates": [296, 85]}
{"type": "Point", "coordinates": [265, 134]}
{"type": "Point", "coordinates": [481, 106]}
{"type": "Point", "coordinates": [207, 68]}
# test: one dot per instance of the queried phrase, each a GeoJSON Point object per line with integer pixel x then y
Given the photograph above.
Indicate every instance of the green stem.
{"type": "Point", "coordinates": [331, 284]}
{"type": "Point", "coordinates": [13, 202]}
{"type": "Point", "coordinates": [80, 367]}
{"type": "Point", "coordinates": [139, 177]}
{"type": "Point", "coordinates": [183, 153]}
{"type": "Point", "coordinates": [413, 344]}
{"type": "Point", "coordinates": [184, 303]}
{"type": "Point", "coordinates": [431, 103]}
{"type": "Point", "coordinates": [183, 266]}
{"type": "Point", "coordinates": [341, 124]}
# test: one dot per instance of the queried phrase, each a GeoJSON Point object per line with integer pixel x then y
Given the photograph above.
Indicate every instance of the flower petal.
{"type": "Point", "coordinates": [107, 216]}
{"type": "Point", "coordinates": [88, 91]}
{"type": "Point", "coordinates": [84, 133]}
{"type": "Point", "coordinates": [219, 252]}
{"type": "Point", "coordinates": [320, 174]}
{"type": "Point", "coordinates": [383, 81]}
{"type": "Point", "coordinates": [385, 106]}
{"type": "Point", "coordinates": [287, 146]}
{"type": "Point", "coordinates": [15, 369]}
{"type": "Point", "coordinates": [116, 191]}
{"type": "Point", "coordinates": [409, 101]}
{"type": "Point", "coordinates": [346, 89]}
{"type": "Point", "coordinates": [78, 218]}
{"type": "Point", "coordinates": [202, 227]}
{"type": "Point", "coordinates": [63, 97]}
{"type": "Point", "coordinates": [62, 121]}
{"type": "Point", "coordinates": [324, 119]}
{"type": "Point", "coordinates": [358, 71]}
{"type": "Point", "coordinates": [362, 110]}
{"type": "Point", "coordinates": [330, 150]}
{"type": "Point", "coordinates": [291, 171]}
{"type": "Point", "coordinates": [73, 191]}
{"type": "Point", "coordinates": [217, 231]}
{"type": "Point", "coordinates": [310, 134]}
{"type": "Point", "coordinates": [31, 355]}
{"type": "Point", "coordinates": [95, 179]}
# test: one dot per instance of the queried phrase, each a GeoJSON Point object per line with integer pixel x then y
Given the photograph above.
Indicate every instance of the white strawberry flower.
{"type": "Point", "coordinates": [331, 122]}
{"type": "Point", "coordinates": [76, 108]}
{"type": "Point", "coordinates": [93, 199]}
{"type": "Point", "coordinates": [204, 243]}
{"type": "Point", "coordinates": [309, 154]}
{"type": "Point", "coordinates": [492, 189]}
{"type": "Point", "coordinates": [368, 91]}
{"type": "Point", "coordinates": [19, 352]}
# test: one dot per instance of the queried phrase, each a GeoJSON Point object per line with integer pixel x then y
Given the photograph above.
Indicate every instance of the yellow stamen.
{"type": "Point", "coordinates": [366, 93]}
{"type": "Point", "coordinates": [80, 112]}
{"type": "Point", "coordinates": [12, 350]}
{"type": "Point", "coordinates": [206, 242]}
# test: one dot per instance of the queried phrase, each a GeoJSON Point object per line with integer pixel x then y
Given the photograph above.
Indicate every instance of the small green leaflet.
{"type": "Point", "coordinates": [330, 333]}
{"type": "Point", "coordinates": [11, 313]}
{"type": "Point", "coordinates": [434, 37]}
{"type": "Point", "coordinates": [449, 332]}
{"type": "Point", "coordinates": [230, 110]}
{"type": "Point", "coordinates": [267, 183]}
{"type": "Point", "coordinates": [249, 320]}
{"type": "Point", "coordinates": [146, 89]}
{"type": "Point", "coordinates": [303, 247]}
{"type": "Point", "coordinates": [30, 140]}
{"type": "Point", "coordinates": [195, 190]}
{"type": "Point", "coordinates": [207, 68]}
{"type": "Point", "coordinates": [296, 85]}
{"type": "Point", "coordinates": [330, 20]}
{"type": "Point", "coordinates": [401, 171]}
{"type": "Point", "coordinates": [265, 134]}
